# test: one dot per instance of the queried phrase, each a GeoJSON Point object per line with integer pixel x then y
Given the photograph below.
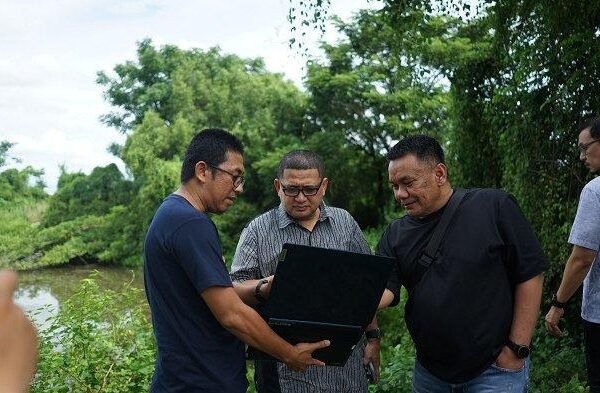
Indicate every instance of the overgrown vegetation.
{"type": "Point", "coordinates": [100, 341]}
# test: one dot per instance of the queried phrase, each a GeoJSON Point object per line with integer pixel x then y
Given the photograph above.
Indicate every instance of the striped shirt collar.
{"type": "Point", "coordinates": [283, 219]}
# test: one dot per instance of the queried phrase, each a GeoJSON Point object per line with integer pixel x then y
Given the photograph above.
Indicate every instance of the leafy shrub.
{"type": "Point", "coordinates": [19, 220]}
{"type": "Point", "coordinates": [94, 194]}
{"type": "Point", "coordinates": [100, 340]}
{"type": "Point", "coordinates": [558, 365]}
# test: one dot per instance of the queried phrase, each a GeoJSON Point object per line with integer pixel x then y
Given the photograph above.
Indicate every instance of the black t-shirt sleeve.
{"type": "Point", "coordinates": [385, 248]}
{"type": "Point", "coordinates": [199, 253]}
{"type": "Point", "coordinates": [525, 257]}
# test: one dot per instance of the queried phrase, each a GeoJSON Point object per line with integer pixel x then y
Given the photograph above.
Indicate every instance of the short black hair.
{"type": "Point", "coordinates": [301, 159]}
{"type": "Point", "coordinates": [593, 124]}
{"type": "Point", "coordinates": [424, 147]}
{"type": "Point", "coordinates": [211, 146]}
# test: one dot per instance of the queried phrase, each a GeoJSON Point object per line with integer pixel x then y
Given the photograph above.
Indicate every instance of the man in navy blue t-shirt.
{"type": "Point", "coordinates": [198, 318]}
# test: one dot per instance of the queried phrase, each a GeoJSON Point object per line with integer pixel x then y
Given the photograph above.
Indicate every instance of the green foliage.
{"type": "Point", "coordinates": [4, 148]}
{"type": "Point", "coordinates": [397, 351]}
{"type": "Point", "coordinates": [558, 365]}
{"type": "Point", "coordinates": [21, 209]}
{"type": "Point", "coordinates": [100, 341]}
{"type": "Point", "coordinates": [85, 239]}
{"type": "Point", "coordinates": [79, 195]}
{"type": "Point", "coordinates": [19, 184]}
{"type": "Point", "coordinates": [230, 226]}
{"type": "Point", "coordinates": [66, 242]}
{"type": "Point", "coordinates": [170, 94]}
{"type": "Point", "coordinates": [502, 85]}
{"type": "Point", "coordinates": [370, 90]}
{"type": "Point", "coordinates": [18, 223]}
{"type": "Point", "coordinates": [305, 14]}
{"type": "Point", "coordinates": [163, 99]}
{"type": "Point", "coordinates": [15, 184]}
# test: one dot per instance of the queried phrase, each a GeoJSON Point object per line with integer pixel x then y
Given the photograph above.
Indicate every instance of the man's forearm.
{"type": "Point", "coordinates": [386, 299]}
{"type": "Point", "coordinates": [249, 327]}
{"type": "Point", "coordinates": [246, 290]}
{"type": "Point", "coordinates": [572, 278]}
{"type": "Point", "coordinates": [528, 297]}
{"type": "Point", "coordinates": [578, 265]}
{"type": "Point", "coordinates": [242, 321]}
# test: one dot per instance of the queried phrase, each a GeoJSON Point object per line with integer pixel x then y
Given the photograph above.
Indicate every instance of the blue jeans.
{"type": "Point", "coordinates": [492, 380]}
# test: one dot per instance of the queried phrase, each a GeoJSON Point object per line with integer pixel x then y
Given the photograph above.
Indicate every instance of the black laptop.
{"type": "Point", "coordinates": [321, 293]}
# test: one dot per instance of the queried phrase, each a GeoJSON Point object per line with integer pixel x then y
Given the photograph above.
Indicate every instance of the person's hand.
{"type": "Point", "coordinates": [265, 289]}
{"type": "Point", "coordinates": [302, 357]}
{"type": "Point", "coordinates": [371, 355]}
{"type": "Point", "coordinates": [507, 359]}
{"type": "Point", "coordinates": [552, 319]}
{"type": "Point", "coordinates": [18, 340]}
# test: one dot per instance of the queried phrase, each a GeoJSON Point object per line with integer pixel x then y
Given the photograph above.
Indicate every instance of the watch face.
{"type": "Point", "coordinates": [523, 352]}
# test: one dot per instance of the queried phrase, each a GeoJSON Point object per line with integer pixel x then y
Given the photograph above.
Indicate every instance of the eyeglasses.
{"type": "Point", "coordinates": [238, 180]}
{"type": "Point", "coordinates": [584, 146]}
{"type": "Point", "coordinates": [293, 191]}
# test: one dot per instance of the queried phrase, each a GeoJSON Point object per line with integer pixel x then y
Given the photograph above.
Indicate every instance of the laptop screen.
{"type": "Point", "coordinates": [327, 285]}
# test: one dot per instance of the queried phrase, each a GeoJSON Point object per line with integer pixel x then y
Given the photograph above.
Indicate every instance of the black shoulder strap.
{"type": "Point", "coordinates": [433, 245]}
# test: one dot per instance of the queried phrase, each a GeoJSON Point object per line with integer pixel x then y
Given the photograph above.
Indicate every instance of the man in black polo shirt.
{"type": "Point", "coordinates": [473, 311]}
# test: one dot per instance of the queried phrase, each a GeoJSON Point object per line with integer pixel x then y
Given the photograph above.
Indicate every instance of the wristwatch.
{"type": "Point", "coordinates": [373, 334]}
{"type": "Point", "coordinates": [257, 294]}
{"type": "Point", "coordinates": [556, 303]}
{"type": "Point", "coordinates": [522, 351]}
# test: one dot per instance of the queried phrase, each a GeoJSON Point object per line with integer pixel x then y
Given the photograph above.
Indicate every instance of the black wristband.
{"type": "Point", "coordinates": [257, 294]}
{"type": "Point", "coordinates": [556, 303]}
{"type": "Point", "coordinates": [521, 351]}
{"type": "Point", "coordinates": [373, 334]}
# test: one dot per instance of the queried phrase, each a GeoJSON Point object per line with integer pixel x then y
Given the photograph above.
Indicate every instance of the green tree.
{"type": "Point", "coordinates": [370, 90]}
{"type": "Point", "coordinates": [161, 100]}
{"type": "Point", "coordinates": [4, 148]}
{"type": "Point", "coordinates": [18, 184]}
{"type": "Point", "coordinates": [78, 194]}
{"type": "Point", "coordinates": [191, 90]}
{"type": "Point", "coordinates": [522, 74]}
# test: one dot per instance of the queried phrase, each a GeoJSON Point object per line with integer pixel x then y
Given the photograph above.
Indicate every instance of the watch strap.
{"type": "Point", "coordinates": [257, 294]}
{"type": "Point", "coordinates": [556, 303]}
{"type": "Point", "coordinates": [373, 334]}
{"type": "Point", "coordinates": [522, 351]}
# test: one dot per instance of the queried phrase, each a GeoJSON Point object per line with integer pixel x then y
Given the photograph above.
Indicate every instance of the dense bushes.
{"type": "Point", "coordinates": [100, 340]}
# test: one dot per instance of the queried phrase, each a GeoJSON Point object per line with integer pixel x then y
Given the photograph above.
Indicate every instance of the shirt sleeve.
{"type": "Point", "coordinates": [524, 257]}
{"type": "Point", "coordinates": [198, 249]}
{"type": "Point", "coordinates": [245, 261]}
{"type": "Point", "coordinates": [385, 248]}
{"type": "Point", "coordinates": [585, 231]}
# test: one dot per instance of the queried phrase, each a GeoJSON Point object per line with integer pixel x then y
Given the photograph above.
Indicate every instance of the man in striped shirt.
{"type": "Point", "coordinates": [301, 218]}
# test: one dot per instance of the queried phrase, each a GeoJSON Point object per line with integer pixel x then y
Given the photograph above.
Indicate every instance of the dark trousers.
{"type": "Point", "coordinates": [266, 377]}
{"type": "Point", "coordinates": [591, 335]}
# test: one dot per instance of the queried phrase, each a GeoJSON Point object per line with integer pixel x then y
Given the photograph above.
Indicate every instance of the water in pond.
{"type": "Point", "coordinates": [44, 290]}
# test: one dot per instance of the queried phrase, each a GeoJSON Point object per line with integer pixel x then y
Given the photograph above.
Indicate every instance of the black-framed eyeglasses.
{"type": "Point", "coordinates": [293, 191]}
{"type": "Point", "coordinates": [584, 146]}
{"type": "Point", "coordinates": [238, 180]}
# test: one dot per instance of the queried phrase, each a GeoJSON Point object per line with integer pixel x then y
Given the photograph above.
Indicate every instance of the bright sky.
{"type": "Point", "coordinates": [51, 51]}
